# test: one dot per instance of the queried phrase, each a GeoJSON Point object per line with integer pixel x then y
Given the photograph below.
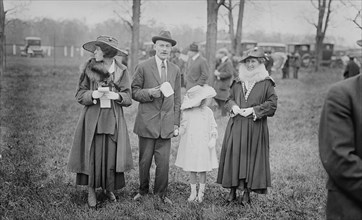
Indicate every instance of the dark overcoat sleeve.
{"type": "Point", "coordinates": [138, 92]}
{"type": "Point", "coordinates": [337, 143]}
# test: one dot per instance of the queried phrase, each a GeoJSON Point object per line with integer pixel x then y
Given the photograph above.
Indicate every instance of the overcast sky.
{"type": "Point", "coordinates": [283, 16]}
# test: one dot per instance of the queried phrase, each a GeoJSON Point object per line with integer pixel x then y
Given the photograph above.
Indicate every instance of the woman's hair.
{"type": "Point", "coordinates": [261, 60]}
{"type": "Point", "coordinates": [108, 51]}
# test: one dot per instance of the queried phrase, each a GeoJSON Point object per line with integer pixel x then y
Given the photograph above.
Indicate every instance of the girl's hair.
{"type": "Point", "coordinates": [108, 51]}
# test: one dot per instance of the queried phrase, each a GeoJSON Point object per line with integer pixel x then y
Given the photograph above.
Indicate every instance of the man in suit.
{"type": "Point", "coordinates": [176, 59]}
{"type": "Point", "coordinates": [351, 69]}
{"type": "Point", "coordinates": [223, 75]}
{"type": "Point", "coordinates": [197, 68]}
{"type": "Point", "coordinates": [340, 148]}
{"type": "Point", "coordinates": [158, 117]}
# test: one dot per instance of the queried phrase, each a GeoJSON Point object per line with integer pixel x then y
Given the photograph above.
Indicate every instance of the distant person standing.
{"type": "Point", "coordinates": [269, 63]}
{"type": "Point", "coordinates": [158, 116]}
{"type": "Point", "coordinates": [340, 148]}
{"type": "Point", "coordinates": [180, 63]}
{"type": "Point", "coordinates": [222, 78]}
{"type": "Point", "coordinates": [285, 68]}
{"type": "Point", "coordinates": [197, 71]}
{"type": "Point", "coordinates": [351, 69]}
{"type": "Point", "coordinates": [296, 64]}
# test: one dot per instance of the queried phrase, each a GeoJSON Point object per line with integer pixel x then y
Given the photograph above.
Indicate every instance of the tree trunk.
{"type": "Point", "coordinates": [323, 19]}
{"type": "Point", "coordinates": [231, 28]}
{"type": "Point", "coordinates": [136, 14]}
{"type": "Point", "coordinates": [239, 28]}
{"type": "Point", "coordinates": [2, 38]}
{"type": "Point", "coordinates": [211, 36]}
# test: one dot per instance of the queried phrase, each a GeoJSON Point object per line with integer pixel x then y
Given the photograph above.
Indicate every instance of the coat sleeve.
{"type": "Point", "coordinates": [337, 146]}
{"type": "Point", "coordinates": [138, 92]}
{"type": "Point", "coordinates": [204, 73]}
{"type": "Point", "coordinates": [268, 108]}
{"type": "Point", "coordinates": [177, 98]}
{"type": "Point", "coordinates": [230, 102]}
{"type": "Point", "coordinates": [84, 93]}
{"type": "Point", "coordinates": [125, 90]}
{"type": "Point", "coordinates": [227, 72]}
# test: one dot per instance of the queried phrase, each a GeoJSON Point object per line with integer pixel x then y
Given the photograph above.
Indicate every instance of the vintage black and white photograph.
{"type": "Point", "coordinates": [181, 109]}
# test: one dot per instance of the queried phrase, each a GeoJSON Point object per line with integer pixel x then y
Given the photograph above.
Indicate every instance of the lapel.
{"type": "Point", "coordinates": [154, 70]}
{"type": "Point", "coordinates": [170, 73]}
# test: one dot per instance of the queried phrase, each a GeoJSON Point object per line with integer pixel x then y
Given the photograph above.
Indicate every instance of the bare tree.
{"type": "Point", "coordinates": [2, 37]}
{"type": "Point", "coordinates": [324, 11]}
{"type": "Point", "coordinates": [211, 33]}
{"type": "Point", "coordinates": [235, 38]}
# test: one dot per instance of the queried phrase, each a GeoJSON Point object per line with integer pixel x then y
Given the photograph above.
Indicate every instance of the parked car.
{"type": "Point", "coordinates": [307, 52]}
{"type": "Point", "coordinates": [32, 47]}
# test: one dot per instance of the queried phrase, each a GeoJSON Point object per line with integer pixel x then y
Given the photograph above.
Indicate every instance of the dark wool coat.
{"type": "Point", "coordinates": [197, 72]}
{"type": "Point", "coordinates": [245, 149]}
{"type": "Point", "coordinates": [91, 75]}
{"type": "Point", "coordinates": [352, 69]}
{"type": "Point", "coordinates": [156, 117]}
{"type": "Point", "coordinates": [222, 84]}
{"type": "Point", "coordinates": [340, 148]}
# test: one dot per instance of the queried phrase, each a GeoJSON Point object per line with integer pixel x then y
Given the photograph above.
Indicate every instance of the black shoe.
{"type": "Point", "coordinates": [232, 195]}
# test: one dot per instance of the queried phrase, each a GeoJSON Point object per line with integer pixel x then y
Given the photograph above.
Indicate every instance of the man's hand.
{"type": "Point", "coordinates": [155, 92]}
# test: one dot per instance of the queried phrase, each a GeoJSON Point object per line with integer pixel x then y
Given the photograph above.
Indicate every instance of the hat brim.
{"type": "Point", "coordinates": [243, 58]}
{"type": "Point", "coordinates": [205, 93]}
{"type": "Point", "coordinates": [156, 38]}
{"type": "Point", "coordinates": [91, 47]}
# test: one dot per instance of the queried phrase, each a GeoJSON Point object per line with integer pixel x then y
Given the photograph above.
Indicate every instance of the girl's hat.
{"type": "Point", "coordinates": [196, 94]}
{"type": "Point", "coordinates": [110, 41]}
{"type": "Point", "coordinates": [255, 53]}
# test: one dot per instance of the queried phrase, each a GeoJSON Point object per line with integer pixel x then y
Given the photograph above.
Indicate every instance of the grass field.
{"type": "Point", "coordinates": [38, 117]}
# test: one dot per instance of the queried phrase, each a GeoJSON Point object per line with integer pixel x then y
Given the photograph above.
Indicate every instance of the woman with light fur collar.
{"type": "Point", "coordinates": [244, 159]}
{"type": "Point", "coordinates": [101, 150]}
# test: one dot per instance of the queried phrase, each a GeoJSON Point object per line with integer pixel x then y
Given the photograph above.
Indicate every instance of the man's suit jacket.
{"type": "Point", "coordinates": [197, 72]}
{"type": "Point", "coordinates": [156, 117]}
{"type": "Point", "coordinates": [340, 147]}
{"type": "Point", "coordinates": [222, 84]}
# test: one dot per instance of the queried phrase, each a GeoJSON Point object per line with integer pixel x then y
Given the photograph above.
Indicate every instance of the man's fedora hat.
{"type": "Point", "coordinates": [255, 53]}
{"type": "Point", "coordinates": [194, 47]}
{"type": "Point", "coordinates": [165, 36]}
{"type": "Point", "coordinates": [110, 41]}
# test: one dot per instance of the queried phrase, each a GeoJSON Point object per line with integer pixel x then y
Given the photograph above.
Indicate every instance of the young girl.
{"type": "Point", "coordinates": [101, 150]}
{"type": "Point", "coordinates": [196, 152]}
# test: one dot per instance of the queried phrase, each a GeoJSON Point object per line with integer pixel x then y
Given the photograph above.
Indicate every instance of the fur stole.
{"type": "Point", "coordinates": [95, 71]}
{"type": "Point", "coordinates": [256, 75]}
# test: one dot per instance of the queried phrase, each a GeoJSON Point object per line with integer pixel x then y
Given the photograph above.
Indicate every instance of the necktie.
{"type": "Point", "coordinates": [163, 72]}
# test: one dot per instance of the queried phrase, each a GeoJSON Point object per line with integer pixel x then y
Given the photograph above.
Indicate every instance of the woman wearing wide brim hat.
{"type": "Point", "coordinates": [101, 150]}
{"type": "Point", "coordinates": [244, 159]}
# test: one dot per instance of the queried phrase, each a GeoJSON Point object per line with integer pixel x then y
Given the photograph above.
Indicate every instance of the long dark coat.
{"type": "Point", "coordinates": [340, 148]}
{"type": "Point", "coordinates": [156, 117]}
{"type": "Point", "coordinates": [245, 149]}
{"type": "Point", "coordinates": [222, 84]}
{"type": "Point", "coordinates": [84, 133]}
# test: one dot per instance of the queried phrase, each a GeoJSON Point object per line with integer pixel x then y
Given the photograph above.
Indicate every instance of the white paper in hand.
{"type": "Point", "coordinates": [104, 101]}
{"type": "Point", "coordinates": [166, 89]}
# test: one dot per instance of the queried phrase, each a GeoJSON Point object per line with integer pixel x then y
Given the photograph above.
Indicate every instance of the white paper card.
{"type": "Point", "coordinates": [166, 89]}
{"type": "Point", "coordinates": [104, 102]}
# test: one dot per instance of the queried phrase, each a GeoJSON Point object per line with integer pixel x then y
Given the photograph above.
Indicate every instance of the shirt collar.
{"type": "Point", "coordinates": [159, 61]}
{"type": "Point", "coordinates": [224, 59]}
{"type": "Point", "coordinates": [195, 56]}
{"type": "Point", "coordinates": [112, 67]}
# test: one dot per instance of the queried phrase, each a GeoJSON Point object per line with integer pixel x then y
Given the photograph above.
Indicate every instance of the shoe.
{"type": "Point", "coordinates": [137, 197]}
{"type": "Point", "coordinates": [232, 195]}
{"type": "Point", "coordinates": [200, 196]}
{"type": "Point", "coordinates": [245, 199]}
{"type": "Point", "coordinates": [110, 195]}
{"type": "Point", "coordinates": [92, 199]}
{"type": "Point", "coordinates": [166, 200]}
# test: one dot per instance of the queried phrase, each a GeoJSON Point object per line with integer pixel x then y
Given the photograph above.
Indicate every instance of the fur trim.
{"type": "Point", "coordinates": [95, 70]}
{"type": "Point", "coordinates": [256, 75]}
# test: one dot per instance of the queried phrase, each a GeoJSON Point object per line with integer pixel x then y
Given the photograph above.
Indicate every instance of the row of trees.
{"type": "Point", "coordinates": [132, 33]}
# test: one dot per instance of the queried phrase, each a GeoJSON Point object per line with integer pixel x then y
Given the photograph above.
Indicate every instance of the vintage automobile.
{"type": "Point", "coordinates": [32, 47]}
{"type": "Point", "coordinates": [307, 52]}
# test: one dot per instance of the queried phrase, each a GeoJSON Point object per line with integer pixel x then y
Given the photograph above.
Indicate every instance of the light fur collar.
{"type": "Point", "coordinates": [256, 75]}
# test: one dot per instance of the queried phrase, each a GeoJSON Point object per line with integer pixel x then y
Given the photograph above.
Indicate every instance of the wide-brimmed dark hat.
{"type": "Point", "coordinates": [194, 47]}
{"type": "Point", "coordinates": [165, 36]}
{"type": "Point", "coordinates": [255, 53]}
{"type": "Point", "coordinates": [110, 41]}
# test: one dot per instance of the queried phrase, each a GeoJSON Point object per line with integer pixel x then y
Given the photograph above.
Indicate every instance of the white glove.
{"type": "Point", "coordinates": [112, 95]}
{"type": "Point", "coordinates": [212, 143]}
{"type": "Point", "coordinates": [246, 112]}
{"type": "Point", "coordinates": [236, 109]}
{"type": "Point", "coordinates": [96, 94]}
